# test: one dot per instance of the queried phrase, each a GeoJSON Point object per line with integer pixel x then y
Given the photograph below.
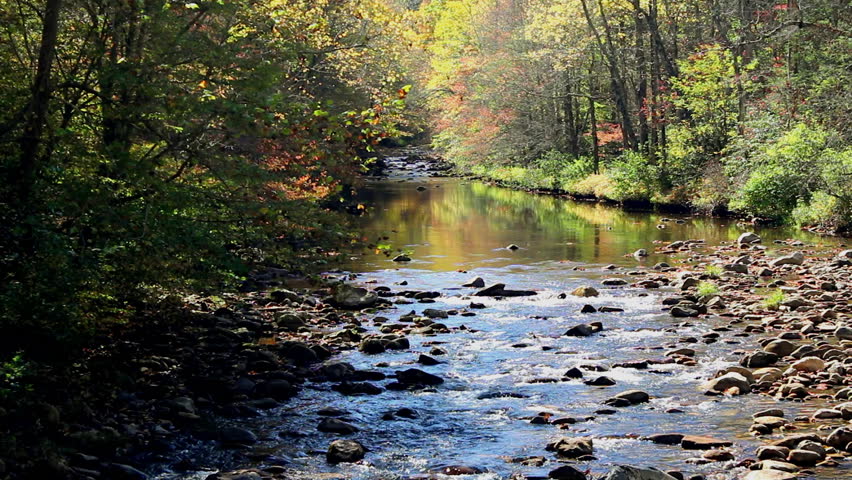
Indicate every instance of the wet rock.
{"type": "Point", "coordinates": [588, 309]}
{"type": "Point", "coordinates": [759, 359]}
{"type": "Point", "coordinates": [582, 330]}
{"type": "Point", "coordinates": [683, 312]}
{"type": "Point", "coordinates": [119, 471]}
{"type": "Point", "coordinates": [839, 438]}
{"type": "Point", "coordinates": [427, 360]}
{"type": "Point", "coordinates": [843, 333]}
{"type": "Point", "coordinates": [573, 372]}
{"type": "Point", "coordinates": [402, 258]}
{"type": "Point", "coordinates": [585, 292]}
{"type": "Point", "coordinates": [414, 376]}
{"type": "Point", "coordinates": [499, 290]}
{"type": "Point", "coordinates": [353, 298]}
{"type": "Point", "coordinates": [826, 413]}
{"type": "Point", "coordinates": [666, 438]}
{"type": "Point", "coordinates": [624, 472]}
{"type": "Point", "coordinates": [331, 412]}
{"type": "Point", "coordinates": [795, 258]}
{"type": "Point", "coordinates": [237, 436]}
{"type": "Point", "coordinates": [804, 458]}
{"type": "Point", "coordinates": [333, 425]}
{"type": "Point", "coordinates": [601, 381]}
{"type": "Point", "coordinates": [606, 309]}
{"type": "Point", "coordinates": [748, 238]}
{"type": "Point", "coordinates": [793, 441]}
{"type": "Point", "coordinates": [345, 451]}
{"type": "Point", "coordinates": [772, 453]}
{"type": "Point", "coordinates": [696, 442]}
{"type": "Point", "coordinates": [640, 253]}
{"type": "Point", "coordinates": [500, 394]}
{"type": "Point", "coordinates": [299, 352]}
{"type": "Point", "coordinates": [512, 247]}
{"type": "Point", "coordinates": [476, 282]}
{"type": "Point", "coordinates": [571, 447]}
{"type": "Point", "coordinates": [566, 472]}
{"type": "Point", "coordinates": [769, 412]}
{"type": "Point", "coordinates": [771, 423]}
{"type": "Point", "coordinates": [372, 346]}
{"type": "Point", "coordinates": [634, 397]}
{"type": "Point", "coordinates": [454, 470]}
{"type": "Point", "coordinates": [338, 370]}
{"type": "Point", "coordinates": [613, 282]}
{"type": "Point", "coordinates": [718, 455]}
{"type": "Point", "coordinates": [435, 313]}
{"type": "Point", "coordinates": [357, 388]}
{"type": "Point", "coordinates": [728, 381]}
{"type": "Point", "coordinates": [777, 465]}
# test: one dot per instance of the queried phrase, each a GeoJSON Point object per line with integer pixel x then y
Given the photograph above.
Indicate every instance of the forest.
{"type": "Point", "coordinates": [154, 152]}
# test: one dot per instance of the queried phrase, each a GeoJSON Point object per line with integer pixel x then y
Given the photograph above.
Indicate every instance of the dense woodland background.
{"type": "Point", "coordinates": [152, 148]}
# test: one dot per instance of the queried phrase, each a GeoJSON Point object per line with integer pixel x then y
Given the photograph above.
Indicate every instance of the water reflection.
{"type": "Point", "coordinates": [453, 224]}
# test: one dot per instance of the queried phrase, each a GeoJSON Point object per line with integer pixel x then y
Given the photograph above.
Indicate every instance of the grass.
{"type": "Point", "coordinates": [774, 300]}
{"type": "Point", "coordinates": [713, 271]}
{"type": "Point", "coordinates": [707, 289]}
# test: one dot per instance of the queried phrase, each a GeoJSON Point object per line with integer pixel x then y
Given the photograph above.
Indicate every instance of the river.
{"type": "Point", "coordinates": [453, 230]}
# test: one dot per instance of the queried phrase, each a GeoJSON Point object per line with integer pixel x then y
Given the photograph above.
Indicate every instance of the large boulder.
{"type": "Point", "coordinates": [624, 472]}
{"type": "Point", "coordinates": [566, 472]}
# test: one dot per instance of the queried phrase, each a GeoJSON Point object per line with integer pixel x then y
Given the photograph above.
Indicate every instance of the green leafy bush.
{"type": "Point", "coordinates": [634, 177]}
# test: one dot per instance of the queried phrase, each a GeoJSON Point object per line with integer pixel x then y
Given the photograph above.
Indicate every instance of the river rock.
{"type": "Point", "coordinates": [613, 282]}
{"type": "Point", "coordinates": [843, 333]}
{"type": "Point", "coordinates": [582, 330]}
{"type": "Point", "coordinates": [777, 465]}
{"type": "Point", "coordinates": [334, 425]}
{"type": "Point", "coordinates": [476, 282]}
{"type": "Point", "coordinates": [499, 290]}
{"type": "Point", "coordinates": [770, 475]}
{"type": "Point", "coordinates": [624, 472]}
{"type": "Point", "coordinates": [840, 438]}
{"type": "Point", "coordinates": [782, 348]}
{"type": "Point", "coordinates": [804, 458]}
{"type": "Point", "coordinates": [402, 258]}
{"type": "Point", "coordinates": [588, 309]}
{"type": "Point", "coordinates": [435, 313]}
{"type": "Point", "coordinates": [809, 364]}
{"type": "Point", "coordinates": [634, 397]}
{"type": "Point", "coordinates": [585, 292]}
{"type": "Point", "coordinates": [372, 346]}
{"type": "Point", "coordinates": [601, 381]}
{"type": "Point", "coordinates": [748, 237]}
{"type": "Point", "coordinates": [353, 298]}
{"type": "Point", "coordinates": [640, 253]}
{"type": "Point", "coordinates": [769, 412]}
{"type": "Point", "coordinates": [759, 360]}
{"type": "Point", "coordinates": [687, 283]}
{"type": "Point", "coordinates": [566, 472]}
{"type": "Point", "coordinates": [237, 436]}
{"type": "Point", "coordinates": [666, 438]}
{"type": "Point", "coordinates": [696, 442]}
{"type": "Point", "coordinates": [571, 447]}
{"type": "Point", "coordinates": [345, 451]}
{"type": "Point", "coordinates": [772, 453]}
{"type": "Point", "coordinates": [683, 312]}
{"type": "Point", "coordinates": [795, 258]}
{"type": "Point", "coordinates": [357, 388]}
{"type": "Point", "coordinates": [414, 376]}
{"type": "Point", "coordinates": [120, 471]}
{"type": "Point", "coordinates": [728, 381]}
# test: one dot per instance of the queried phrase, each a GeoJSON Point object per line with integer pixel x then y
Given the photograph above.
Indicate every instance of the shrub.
{"type": "Point", "coordinates": [713, 271]}
{"type": "Point", "coordinates": [634, 177]}
{"type": "Point", "coordinates": [706, 289]}
{"type": "Point", "coordinates": [600, 186]}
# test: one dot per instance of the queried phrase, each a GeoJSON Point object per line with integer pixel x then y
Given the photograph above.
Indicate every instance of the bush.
{"type": "Point", "coordinates": [597, 185]}
{"type": "Point", "coordinates": [706, 289]}
{"type": "Point", "coordinates": [634, 177]}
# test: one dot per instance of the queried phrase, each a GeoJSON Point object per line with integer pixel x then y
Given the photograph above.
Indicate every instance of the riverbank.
{"type": "Point", "coordinates": [642, 191]}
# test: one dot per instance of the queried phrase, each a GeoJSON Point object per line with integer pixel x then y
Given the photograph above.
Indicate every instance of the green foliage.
{"type": "Point", "coordinates": [707, 289]}
{"type": "Point", "coordinates": [713, 271]}
{"type": "Point", "coordinates": [774, 299]}
{"type": "Point", "coordinates": [634, 177]}
{"type": "Point", "coordinates": [12, 377]}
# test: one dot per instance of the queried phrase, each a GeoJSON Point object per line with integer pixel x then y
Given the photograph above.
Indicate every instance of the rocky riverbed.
{"type": "Point", "coordinates": [719, 359]}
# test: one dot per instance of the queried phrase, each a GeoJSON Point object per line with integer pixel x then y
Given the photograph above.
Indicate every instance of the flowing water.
{"type": "Point", "coordinates": [455, 230]}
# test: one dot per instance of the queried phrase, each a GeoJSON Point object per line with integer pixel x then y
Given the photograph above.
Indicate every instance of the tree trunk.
{"type": "Point", "coordinates": [36, 117]}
